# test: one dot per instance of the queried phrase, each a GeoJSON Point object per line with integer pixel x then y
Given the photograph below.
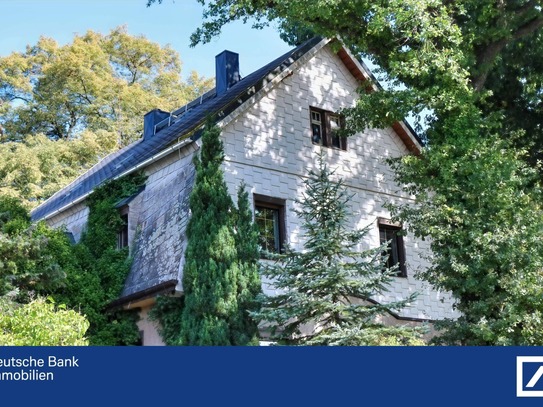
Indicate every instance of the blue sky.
{"type": "Point", "coordinates": [172, 22]}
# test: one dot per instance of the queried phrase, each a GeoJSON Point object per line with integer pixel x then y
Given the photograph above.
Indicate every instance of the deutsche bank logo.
{"type": "Point", "coordinates": [529, 376]}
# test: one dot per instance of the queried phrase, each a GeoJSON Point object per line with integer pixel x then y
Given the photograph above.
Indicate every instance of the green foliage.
{"type": "Point", "coordinates": [217, 283]}
{"type": "Point", "coordinates": [30, 255]}
{"type": "Point", "coordinates": [62, 108]}
{"type": "Point", "coordinates": [104, 220]}
{"type": "Point", "coordinates": [167, 312]}
{"type": "Point", "coordinates": [97, 82]}
{"type": "Point", "coordinates": [325, 291]}
{"type": "Point", "coordinates": [41, 323]}
{"type": "Point", "coordinates": [99, 269]}
{"type": "Point", "coordinates": [245, 331]}
{"type": "Point", "coordinates": [480, 206]}
{"type": "Point", "coordinates": [35, 168]}
{"type": "Point", "coordinates": [38, 260]}
{"type": "Point", "coordinates": [514, 90]}
{"type": "Point", "coordinates": [13, 216]}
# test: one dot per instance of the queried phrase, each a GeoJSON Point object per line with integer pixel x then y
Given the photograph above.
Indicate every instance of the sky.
{"type": "Point", "coordinates": [172, 22]}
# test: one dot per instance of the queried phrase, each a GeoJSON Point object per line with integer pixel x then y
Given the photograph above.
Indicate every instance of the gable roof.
{"type": "Point", "coordinates": [185, 124]}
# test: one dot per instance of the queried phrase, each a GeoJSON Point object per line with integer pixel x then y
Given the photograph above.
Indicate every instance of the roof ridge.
{"type": "Point", "coordinates": [193, 116]}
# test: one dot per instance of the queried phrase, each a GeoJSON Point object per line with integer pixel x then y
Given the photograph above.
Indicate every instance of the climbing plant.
{"type": "Point", "coordinates": [167, 313]}
{"type": "Point", "coordinates": [99, 269]}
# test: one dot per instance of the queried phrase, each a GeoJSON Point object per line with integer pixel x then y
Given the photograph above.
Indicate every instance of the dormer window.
{"type": "Point", "coordinates": [324, 127]}
{"type": "Point", "coordinates": [122, 234]}
{"type": "Point", "coordinates": [126, 206]}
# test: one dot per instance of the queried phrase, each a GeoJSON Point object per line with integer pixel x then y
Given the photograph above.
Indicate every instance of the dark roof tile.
{"type": "Point", "coordinates": [191, 117]}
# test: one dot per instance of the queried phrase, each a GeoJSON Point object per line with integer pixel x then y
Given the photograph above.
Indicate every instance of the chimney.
{"type": "Point", "coordinates": [151, 119]}
{"type": "Point", "coordinates": [226, 71]}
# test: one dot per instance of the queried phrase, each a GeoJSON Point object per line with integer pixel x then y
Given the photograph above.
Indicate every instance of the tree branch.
{"type": "Point", "coordinates": [486, 57]}
{"type": "Point", "coordinates": [528, 28]}
{"type": "Point", "coordinates": [522, 11]}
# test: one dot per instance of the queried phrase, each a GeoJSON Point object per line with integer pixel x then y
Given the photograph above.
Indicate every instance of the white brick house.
{"type": "Point", "coordinates": [274, 123]}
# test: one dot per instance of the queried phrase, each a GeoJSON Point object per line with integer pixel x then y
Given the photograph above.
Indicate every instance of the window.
{"type": "Point", "coordinates": [390, 233]}
{"type": "Point", "coordinates": [324, 126]}
{"type": "Point", "coordinates": [124, 206]}
{"type": "Point", "coordinates": [270, 219]}
{"type": "Point", "coordinates": [122, 235]}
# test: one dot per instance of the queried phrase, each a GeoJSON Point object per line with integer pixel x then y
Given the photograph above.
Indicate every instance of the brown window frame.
{"type": "Point", "coordinates": [391, 232]}
{"type": "Point", "coordinates": [322, 120]}
{"type": "Point", "coordinates": [278, 206]}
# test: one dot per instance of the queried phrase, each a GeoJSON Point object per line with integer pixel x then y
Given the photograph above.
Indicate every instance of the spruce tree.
{"type": "Point", "coordinates": [325, 290]}
{"type": "Point", "coordinates": [215, 287]}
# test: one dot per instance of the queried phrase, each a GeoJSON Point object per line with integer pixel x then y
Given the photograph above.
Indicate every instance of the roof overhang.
{"type": "Point", "coordinates": [140, 298]}
{"type": "Point", "coordinates": [369, 83]}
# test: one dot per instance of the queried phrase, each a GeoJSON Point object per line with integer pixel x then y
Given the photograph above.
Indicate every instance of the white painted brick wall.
{"type": "Point", "coordinates": [269, 147]}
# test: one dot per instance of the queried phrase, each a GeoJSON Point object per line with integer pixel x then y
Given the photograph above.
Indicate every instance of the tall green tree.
{"type": "Point", "coordinates": [249, 285]}
{"type": "Point", "coordinates": [325, 291]}
{"type": "Point", "coordinates": [217, 284]}
{"type": "Point", "coordinates": [97, 82]}
{"type": "Point", "coordinates": [455, 60]}
{"type": "Point", "coordinates": [64, 107]}
{"type": "Point", "coordinates": [480, 204]}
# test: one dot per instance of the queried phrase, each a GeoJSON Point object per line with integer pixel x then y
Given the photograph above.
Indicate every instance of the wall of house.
{"type": "Point", "coordinates": [157, 220]}
{"type": "Point", "coordinates": [74, 218]}
{"type": "Point", "coordinates": [149, 329]}
{"type": "Point", "coordinates": [270, 148]}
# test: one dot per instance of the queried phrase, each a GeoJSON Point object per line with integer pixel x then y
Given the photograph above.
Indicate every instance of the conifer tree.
{"type": "Point", "coordinates": [245, 330]}
{"type": "Point", "coordinates": [214, 286]}
{"type": "Point", "coordinates": [325, 291]}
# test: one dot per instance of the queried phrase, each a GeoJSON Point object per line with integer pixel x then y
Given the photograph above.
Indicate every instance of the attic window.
{"type": "Point", "coordinates": [122, 234]}
{"type": "Point", "coordinates": [324, 126]}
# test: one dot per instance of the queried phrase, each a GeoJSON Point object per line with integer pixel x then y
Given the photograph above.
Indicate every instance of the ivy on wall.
{"type": "Point", "coordinates": [98, 268]}
{"type": "Point", "coordinates": [167, 312]}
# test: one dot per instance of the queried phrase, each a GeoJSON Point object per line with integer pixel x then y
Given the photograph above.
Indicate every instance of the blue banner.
{"type": "Point", "coordinates": [271, 376]}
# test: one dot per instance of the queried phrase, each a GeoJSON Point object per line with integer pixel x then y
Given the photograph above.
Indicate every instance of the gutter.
{"type": "Point", "coordinates": [154, 158]}
{"type": "Point", "coordinates": [165, 287]}
{"type": "Point", "coordinates": [231, 110]}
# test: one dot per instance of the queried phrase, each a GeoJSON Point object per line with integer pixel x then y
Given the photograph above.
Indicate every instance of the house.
{"type": "Point", "coordinates": [274, 123]}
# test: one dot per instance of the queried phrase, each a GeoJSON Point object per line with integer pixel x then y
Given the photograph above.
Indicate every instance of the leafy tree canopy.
{"type": "Point", "coordinates": [63, 107]}
{"type": "Point", "coordinates": [435, 49]}
{"type": "Point", "coordinates": [34, 169]}
{"type": "Point", "coordinates": [30, 254]}
{"type": "Point", "coordinates": [97, 82]}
